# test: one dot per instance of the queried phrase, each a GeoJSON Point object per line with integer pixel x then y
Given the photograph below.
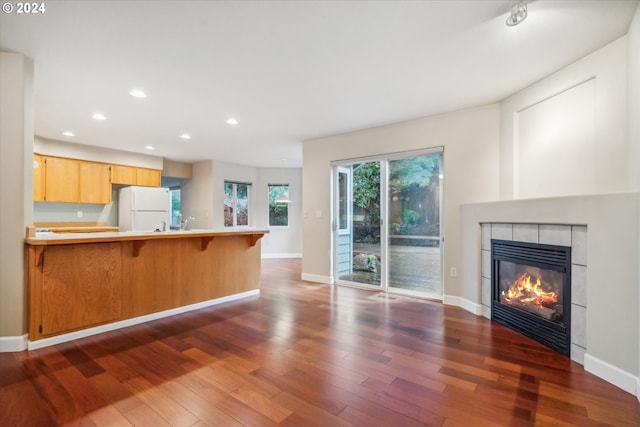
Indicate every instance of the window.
{"type": "Point", "coordinates": [279, 205]}
{"type": "Point", "coordinates": [176, 215]}
{"type": "Point", "coordinates": [236, 204]}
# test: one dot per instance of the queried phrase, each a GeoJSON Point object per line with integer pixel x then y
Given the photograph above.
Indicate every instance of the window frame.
{"type": "Point", "coordinates": [234, 204]}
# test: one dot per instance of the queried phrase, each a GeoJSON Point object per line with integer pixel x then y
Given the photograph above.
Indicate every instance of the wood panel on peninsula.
{"type": "Point", "coordinates": [78, 281]}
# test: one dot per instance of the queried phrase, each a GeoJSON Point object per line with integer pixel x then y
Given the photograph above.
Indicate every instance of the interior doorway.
{"type": "Point", "coordinates": [387, 227]}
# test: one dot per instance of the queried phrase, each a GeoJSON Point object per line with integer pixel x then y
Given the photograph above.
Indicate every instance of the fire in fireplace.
{"type": "Point", "coordinates": [531, 291]}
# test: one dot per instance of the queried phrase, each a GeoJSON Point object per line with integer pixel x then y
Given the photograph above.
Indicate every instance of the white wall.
{"type": "Point", "coordinates": [196, 195]}
{"type": "Point", "coordinates": [470, 141]}
{"type": "Point", "coordinates": [16, 193]}
{"type": "Point", "coordinates": [203, 198]}
{"type": "Point", "coordinates": [633, 74]}
{"type": "Point", "coordinates": [57, 148]}
{"type": "Point", "coordinates": [68, 212]}
{"type": "Point", "coordinates": [223, 171]}
{"type": "Point", "coordinates": [593, 143]}
{"type": "Point", "coordinates": [633, 98]}
{"type": "Point", "coordinates": [611, 144]}
{"type": "Point", "coordinates": [281, 242]}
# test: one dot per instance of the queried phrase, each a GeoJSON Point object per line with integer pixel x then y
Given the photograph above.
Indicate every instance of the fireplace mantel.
{"type": "Point", "coordinates": [613, 274]}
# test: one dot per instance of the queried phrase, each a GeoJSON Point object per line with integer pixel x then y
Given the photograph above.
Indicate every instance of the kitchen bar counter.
{"type": "Point", "coordinates": [87, 283]}
{"type": "Point", "coordinates": [52, 238]}
{"type": "Point", "coordinates": [71, 227]}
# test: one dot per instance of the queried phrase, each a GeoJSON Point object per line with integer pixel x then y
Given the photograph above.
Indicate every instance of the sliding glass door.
{"type": "Point", "coordinates": [358, 223]}
{"type": "Point", "coordinates": [387, 229]}
{"type": "Point", "coordinates": [414, 237]}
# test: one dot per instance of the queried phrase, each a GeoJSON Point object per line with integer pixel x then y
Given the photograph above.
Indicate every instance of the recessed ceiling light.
{"type": "Point", "coordinates": [518, 13]}
{"type": "Point", "coordinates": [185, 136]}
{"type": "Point", "coordinates": [99, 116]}
{"type": "Point", "coordinates": [138, 93]}
{"type": "Point", "coordinates": [232, 121]}
{"type": "Point", "coordinates": [68, 133]}
{"type": "Point", "coordinates": [150, 147]}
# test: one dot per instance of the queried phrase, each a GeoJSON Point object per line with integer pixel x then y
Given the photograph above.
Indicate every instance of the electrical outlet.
{"type": "Point", "coordinates": [453, 272]}
{"type": "Point", "coordinates": [80, 214]}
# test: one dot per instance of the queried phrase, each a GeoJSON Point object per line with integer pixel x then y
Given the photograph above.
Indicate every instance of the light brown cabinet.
{"type": "Point", "coordinates": [95, 183]}
{"type": "Point", "coordinates": [59, 179]}
{"type": "Point", "coordinates": [130, 175]}
{"type": "Point", "coordinates": [123, 175]}
{"type": "Point", "coordinates": [72, 181]}
{"type": "Point", "coordinates": [81, 287]}
{"type": "Point", "coordinates": [148, 177]}
{"type": "Point", "coordinates": [38, 178]}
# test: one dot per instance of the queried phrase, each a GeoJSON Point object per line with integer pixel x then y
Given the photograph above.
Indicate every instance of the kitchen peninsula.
{"type": "Point", "coordinates": [80, 284]}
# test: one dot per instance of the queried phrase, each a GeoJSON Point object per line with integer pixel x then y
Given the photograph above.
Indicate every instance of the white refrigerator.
{"type": "Point", "coordinates": [144, 209]}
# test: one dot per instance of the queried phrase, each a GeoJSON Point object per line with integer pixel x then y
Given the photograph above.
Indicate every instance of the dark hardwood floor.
{"type": "Point", "coordinates": [304, 354]}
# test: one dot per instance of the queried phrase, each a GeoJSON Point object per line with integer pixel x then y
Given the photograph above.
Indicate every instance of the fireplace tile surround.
{"type": "Point", "coordinates": [574, 236]}
{"type": "Point", "coordinates": [603, 231]}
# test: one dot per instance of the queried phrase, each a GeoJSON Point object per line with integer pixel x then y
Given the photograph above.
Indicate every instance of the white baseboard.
{"type": "Point", "coordinates": [45, 342]}
{"type": "Point", "coordinates": [486, 312]}
{"type": "Point", "coordinates": [327, 280]}
{"type": "Point", "coordinates": [283, 255]}
{"type": "Point", "coordinates": [11, 344]}
{"type": "Point", "coordinates": [616, 376]}
{"type": "Point", "coordinates": [472, 307]}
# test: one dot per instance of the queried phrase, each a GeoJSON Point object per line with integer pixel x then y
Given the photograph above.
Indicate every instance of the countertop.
{"type": "Point", "coordinates": [92, 229]}
{"type": "Point", "coordinates": [50, 238]}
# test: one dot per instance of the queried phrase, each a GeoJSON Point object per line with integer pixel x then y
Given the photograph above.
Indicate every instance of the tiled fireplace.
{"type": "Point", "coordinates": [531, 235]}
{"type": "Point", "coordinates": [605, 330]}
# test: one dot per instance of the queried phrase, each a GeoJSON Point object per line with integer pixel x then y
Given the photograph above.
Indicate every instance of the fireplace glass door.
{"type": "Point", "coordinates": [532, 289]}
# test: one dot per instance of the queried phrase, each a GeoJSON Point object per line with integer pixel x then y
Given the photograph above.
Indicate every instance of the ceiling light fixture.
{"type": "Point", "coordinates": [138, 93]}
{"type": "Point", "coordinates": [518, 13]}
{"type": "Point", "coordinates": [150, 147]}
{"type": "Point", "coordinates": [99, 116]}
{"type": "Point", "coordinates": [185, 136]}
{"type": "Point", "coordinates": [68, 133]}
{"type": "Point", "coordinates": [232, 121]}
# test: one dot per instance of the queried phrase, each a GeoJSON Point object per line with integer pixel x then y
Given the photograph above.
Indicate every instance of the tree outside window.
{"type": "Point", "coordinates": [236, 204]}
{"type": "Point", "coordinates": [279, 205]}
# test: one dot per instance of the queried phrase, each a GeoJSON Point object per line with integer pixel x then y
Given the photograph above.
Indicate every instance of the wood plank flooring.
{"type": "Point", "coordinates": [304, 354]}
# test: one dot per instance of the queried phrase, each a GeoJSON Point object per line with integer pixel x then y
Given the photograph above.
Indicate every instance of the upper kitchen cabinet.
{"type": "Point", "coordinates": [58, 179]}
{"type": "Point", "coordinates": [38, 178]}
{"type": "Point", "coordinates": [148, 177]}
{"type": "Point", "coordinates": [61, 179]}
{"type": "Point", "coordinates": [95, 183]}
{"type": "Point", "coordinates": [123, 175]}
{"type": "Point", "coordinates": [130, 175]}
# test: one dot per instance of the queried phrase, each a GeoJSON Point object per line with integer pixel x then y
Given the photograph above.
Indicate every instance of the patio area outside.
{"type": "Point", "coordinates": [414, 268]}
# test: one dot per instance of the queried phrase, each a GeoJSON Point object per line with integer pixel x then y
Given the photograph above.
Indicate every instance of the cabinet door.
{"type": "Point", "coordinates": [61, 179]}
{"type": "Point", "coordinates": [95, 183]}
{"type": "Point", "coordinates": [123, 175]}
{"type": "Point", "coordinates": [81, 286]}
{"type": "Point", "coordinates": [38, 178]}
{"type": "Point", "coordinates": [148, 177]}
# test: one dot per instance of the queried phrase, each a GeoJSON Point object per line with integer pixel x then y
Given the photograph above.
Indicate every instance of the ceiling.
{"type": "Point", "coordinates": [288, 71]}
